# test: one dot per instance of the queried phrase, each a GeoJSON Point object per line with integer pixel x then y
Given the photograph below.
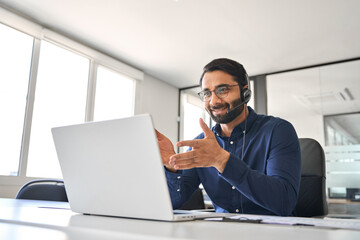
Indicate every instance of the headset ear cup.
{"type": "Point", "coordinates": [246, 95]}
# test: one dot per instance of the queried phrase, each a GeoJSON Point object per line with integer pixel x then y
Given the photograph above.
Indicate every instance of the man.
{"type": "Point", "coordinates": [248, 163]}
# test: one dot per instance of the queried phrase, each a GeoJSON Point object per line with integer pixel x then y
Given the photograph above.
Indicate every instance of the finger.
{"type": "Point", "coordinates": [182, 156]}
{"type": "Point", "coordinates": [183, 162]}
{"type": "Point", "coordinates": [188, 143]}
{"type": "Point", "coordinates": [205, 128]}
{"type": "Point", "coordinates": [186, 165]}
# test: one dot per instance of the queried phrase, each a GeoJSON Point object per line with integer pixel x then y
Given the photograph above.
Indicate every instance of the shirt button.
{"type": "Point", "coordinates": [178, 177]}
{"type": "Point", "coordinates": [217, 134]}
{"type": "Point", "coordinates": [233, 187]}
{"type": "Point", "coordinates": [231, 142]}
{"type": "Point", "coordinates": [178, 190]}
{"type": "Point", "coordinates": [237, 210]}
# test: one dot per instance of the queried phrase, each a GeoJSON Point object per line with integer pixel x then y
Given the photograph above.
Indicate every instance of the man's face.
{"type": "Point", "coordinates": [218, 107]}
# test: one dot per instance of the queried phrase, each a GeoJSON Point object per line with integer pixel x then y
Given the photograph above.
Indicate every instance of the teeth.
{"type": "Point", "coordinates": [219, 110]}
{"type": "Point", "coordinates": [215, 109]}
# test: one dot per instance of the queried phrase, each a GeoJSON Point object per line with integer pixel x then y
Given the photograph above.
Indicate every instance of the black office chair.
{"type": "Point", "coordinates": [312, 195]}
{"type": "Point", "coordinates": [196, 201]}
{"type": "Point", "coordinates": [43, 189]}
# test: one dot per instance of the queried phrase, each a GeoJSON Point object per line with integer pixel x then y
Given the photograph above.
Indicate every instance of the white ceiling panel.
{"type": "Point", "coordinates": [173, 39]}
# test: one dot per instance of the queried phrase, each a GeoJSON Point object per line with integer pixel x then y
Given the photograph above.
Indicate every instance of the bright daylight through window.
{"type": "Point", "coordinates": [15, 59]}
{"type": "Point", "coordinates": [54, 95]}
{"type": "Point", "coordinates": [60, 99]}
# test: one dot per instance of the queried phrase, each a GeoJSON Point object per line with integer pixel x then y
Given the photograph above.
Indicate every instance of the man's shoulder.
{"type": "Point", "coordinates": [269, 118]}
{"type": "Point", "coordinates": [273, 122]}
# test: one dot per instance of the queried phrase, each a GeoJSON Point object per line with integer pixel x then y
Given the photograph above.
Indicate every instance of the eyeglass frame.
{"type": "Point", "coordinates": [214, 91]}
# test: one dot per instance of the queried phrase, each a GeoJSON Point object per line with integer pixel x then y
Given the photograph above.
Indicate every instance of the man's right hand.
{"type": "Point", "coordinates": [166, 150]}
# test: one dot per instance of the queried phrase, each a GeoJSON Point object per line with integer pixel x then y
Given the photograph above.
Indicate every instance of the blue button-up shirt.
{"type": "Point", "coordinates": [266, 181]}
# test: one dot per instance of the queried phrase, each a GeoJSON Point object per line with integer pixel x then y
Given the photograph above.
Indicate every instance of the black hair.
{"type": "Point", "coordinates": [229, 66]}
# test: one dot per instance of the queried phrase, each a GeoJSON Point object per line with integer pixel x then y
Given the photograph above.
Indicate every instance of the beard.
{"type": "Point", "coordinates": [229, 116]}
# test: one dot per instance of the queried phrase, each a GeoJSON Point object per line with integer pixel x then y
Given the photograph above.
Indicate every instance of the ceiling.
{"type": "Point", "coordinates": [173, 39]}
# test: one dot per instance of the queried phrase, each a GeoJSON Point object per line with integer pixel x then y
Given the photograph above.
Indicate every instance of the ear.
{"type": "Point", "coordinates": [246, 94]}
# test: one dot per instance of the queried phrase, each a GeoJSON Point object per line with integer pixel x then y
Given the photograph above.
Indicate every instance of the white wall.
{"type": "Point", "coordinates": [161, 100]}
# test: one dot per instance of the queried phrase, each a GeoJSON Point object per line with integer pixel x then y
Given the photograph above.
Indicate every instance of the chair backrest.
{"type": "Point", "coordinates": [312, 195]}
{"type": "Point", "coordinates": [43, 189]}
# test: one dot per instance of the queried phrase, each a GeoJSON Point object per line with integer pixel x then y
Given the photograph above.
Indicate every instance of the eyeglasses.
{"type": "Point", "coordinates": [220, 92]}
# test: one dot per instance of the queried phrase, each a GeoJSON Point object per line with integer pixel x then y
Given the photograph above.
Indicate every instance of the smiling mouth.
{"type": "Point", "coordinates": [219, 110]}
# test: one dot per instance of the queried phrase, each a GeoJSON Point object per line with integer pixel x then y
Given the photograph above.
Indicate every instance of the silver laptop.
{"type": "Point", "coordinates": [114, 168]}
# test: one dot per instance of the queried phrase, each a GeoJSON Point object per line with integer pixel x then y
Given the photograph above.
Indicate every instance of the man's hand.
{"type": "Point", "coordinates": [166, 150]}
{"type": "Point", "coordinates": [205, 153]}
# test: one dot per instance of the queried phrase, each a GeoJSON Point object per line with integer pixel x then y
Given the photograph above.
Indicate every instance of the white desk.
{"type": "Point", "coordinates": [27, 219]}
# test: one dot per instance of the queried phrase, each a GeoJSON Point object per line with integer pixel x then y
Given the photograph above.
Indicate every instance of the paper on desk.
{"type": "Point", "coordinates": [353, 224]}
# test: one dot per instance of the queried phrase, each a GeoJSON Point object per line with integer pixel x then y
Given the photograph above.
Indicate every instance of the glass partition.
{"type": "Point", "coordinates": [324, 103]}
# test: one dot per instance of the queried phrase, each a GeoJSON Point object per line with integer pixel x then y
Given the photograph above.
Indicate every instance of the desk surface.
{"type": "Point", "coordinates": [28, 219]}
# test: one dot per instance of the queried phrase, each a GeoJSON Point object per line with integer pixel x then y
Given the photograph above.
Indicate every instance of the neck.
{"type": "Point", "coordinates": [226, 129]}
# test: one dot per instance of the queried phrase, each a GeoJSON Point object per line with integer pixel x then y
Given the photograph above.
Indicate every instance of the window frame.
{"type": "Point", "coordinates": [96, 58]}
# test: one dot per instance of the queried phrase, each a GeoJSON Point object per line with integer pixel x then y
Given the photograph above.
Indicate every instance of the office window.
{"type": "Point", "coordinates": [191, 124]}
{"type": "Point", "coordinates": [114, 96]}
{"type": "Point", "coordinates": [191, 110]}
{"type": "Point", "coordinates": [15, 59]}
{"type": "Point", "coordinates": [60, 99]}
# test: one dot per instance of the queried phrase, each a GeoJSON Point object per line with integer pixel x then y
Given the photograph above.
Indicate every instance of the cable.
{"type": "Point", "coordinates": [242, 158]}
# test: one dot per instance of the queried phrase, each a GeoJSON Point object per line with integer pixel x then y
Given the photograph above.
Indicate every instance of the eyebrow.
{"type": "Point", "coordinates": [220, 85]}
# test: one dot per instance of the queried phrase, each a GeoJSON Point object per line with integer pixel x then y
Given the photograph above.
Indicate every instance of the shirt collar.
{"type": "Point", "coordinates": [238, 130]}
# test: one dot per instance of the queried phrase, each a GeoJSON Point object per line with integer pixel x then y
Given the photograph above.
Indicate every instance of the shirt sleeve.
{"type": "Point", "coordinates": [277, 188]}
{"type": "Point", "coordinates": [181, 185]}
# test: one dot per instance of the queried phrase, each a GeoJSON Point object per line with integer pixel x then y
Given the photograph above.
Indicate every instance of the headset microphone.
{"type": "Point", "coordinates": [234, 108]}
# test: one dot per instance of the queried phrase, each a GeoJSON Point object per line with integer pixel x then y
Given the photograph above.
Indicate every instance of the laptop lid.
{"type": "Point", "coordinates": [114, 168]}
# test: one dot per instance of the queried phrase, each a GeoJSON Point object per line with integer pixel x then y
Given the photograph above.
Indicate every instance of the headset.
{"type": "Point", "coordinates": [245, 98]}
{"type": "Point", "coordinates": [246, 92]}
{"type": "Point", "coordinates": [245, 95]}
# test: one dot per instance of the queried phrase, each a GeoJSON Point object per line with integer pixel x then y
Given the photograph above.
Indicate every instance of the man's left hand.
{"type": "Point", "coordinates": [205, 152]}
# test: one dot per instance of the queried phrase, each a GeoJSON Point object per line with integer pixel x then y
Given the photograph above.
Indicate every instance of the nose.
{"type": "Point", "coordinates": [214, 99]}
